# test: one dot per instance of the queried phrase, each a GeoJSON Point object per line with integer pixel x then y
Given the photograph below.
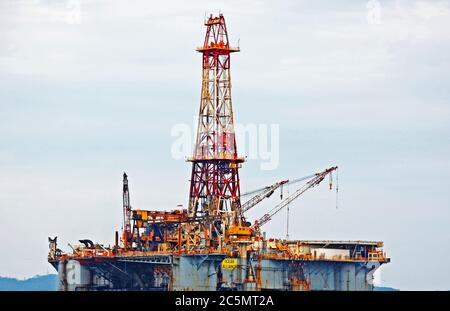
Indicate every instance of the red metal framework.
{"type": "Point", "coordinates": [215, 186]}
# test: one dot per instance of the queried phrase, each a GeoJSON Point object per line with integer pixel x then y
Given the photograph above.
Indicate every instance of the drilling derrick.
{"type": "Point", "coordinates": [214, 188]}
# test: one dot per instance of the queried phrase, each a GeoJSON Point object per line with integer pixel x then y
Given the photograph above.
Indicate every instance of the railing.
{"type": "Point", "coordinates": [310, 257]}
{"type": "Point", "coordinates": [84, 253]}
{"type": "Point", "coordinates": [221, 156]}
{"type": "Point", "coordinates": [217, 47]}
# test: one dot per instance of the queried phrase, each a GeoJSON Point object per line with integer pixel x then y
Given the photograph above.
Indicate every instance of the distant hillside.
{"type": "Point", "coordinates": [49, 282]}
{"type": "Point", "coordinates": [37, 283]}
{"type": "Point", "coordinates": [385, 289]}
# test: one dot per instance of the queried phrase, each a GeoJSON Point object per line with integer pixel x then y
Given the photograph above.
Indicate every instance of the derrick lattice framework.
{"type": "Point", "coordinates": [214, 189]}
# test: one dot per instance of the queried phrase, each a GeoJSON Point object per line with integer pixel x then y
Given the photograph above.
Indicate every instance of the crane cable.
{"type": "Point", "coordinates": [287, 220]}
{"type": "Point", "coordinates": [337, 189]}
{"type": "Point", "coordinates": [289, 182]}
{"type": "Point", "coordinates": [318, 177]}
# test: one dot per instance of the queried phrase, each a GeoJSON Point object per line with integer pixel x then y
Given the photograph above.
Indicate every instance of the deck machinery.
{"type": "Point", "coordinates": [211, 245]}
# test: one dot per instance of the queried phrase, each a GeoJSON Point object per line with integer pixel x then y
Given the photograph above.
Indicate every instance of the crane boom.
{"type": "Point", "coordinates": [267, 192]}
{"type": "Point", "coordinates": [290, 182]}
{"type": "Point", "coordinates": [126, 210]}
{"type": "Point", "coordinates": [317, 179]}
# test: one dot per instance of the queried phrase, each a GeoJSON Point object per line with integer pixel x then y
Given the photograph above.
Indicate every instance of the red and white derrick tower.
{"type": "Point", "coordinates": [214, 189]}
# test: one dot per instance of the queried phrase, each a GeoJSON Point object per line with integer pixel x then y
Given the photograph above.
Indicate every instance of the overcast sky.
{"type": "Point", "coordinates": [89, 89]}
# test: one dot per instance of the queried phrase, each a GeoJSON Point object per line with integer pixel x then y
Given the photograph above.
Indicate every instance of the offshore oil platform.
{"type": "Point", "coordinates": [211, 245]}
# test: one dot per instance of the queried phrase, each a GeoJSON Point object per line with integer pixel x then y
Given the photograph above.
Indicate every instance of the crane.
{"type": "Point", "coordinates": [268, 191]}
{"type": "Point", "coordinates": [288, 181]}
{"type": "Point", "coordinates": [316, 179]}
{"type": "Point", "coordinates": [126, 211]}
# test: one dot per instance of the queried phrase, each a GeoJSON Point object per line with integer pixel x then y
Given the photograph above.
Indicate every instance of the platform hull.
{"type": "Point", "coordinates": [205, 272]}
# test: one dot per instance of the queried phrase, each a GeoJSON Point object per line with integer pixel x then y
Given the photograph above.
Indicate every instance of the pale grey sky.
{"type": "Point", "coordinates": [83, 98]}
